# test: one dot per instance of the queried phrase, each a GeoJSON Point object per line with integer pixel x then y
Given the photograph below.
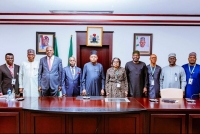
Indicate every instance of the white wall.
{"type": "Point", "coordinates": [118, 6]}
{"type": "Point", "coordinates": [166, 39]}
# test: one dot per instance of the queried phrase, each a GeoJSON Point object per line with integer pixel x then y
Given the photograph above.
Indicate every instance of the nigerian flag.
{"type": "Point", "coordinates": [55, 47]}
{"type": "Point", "coordinates": [59, 93]}
{"type": "Point", "coordinates": [70, 50]}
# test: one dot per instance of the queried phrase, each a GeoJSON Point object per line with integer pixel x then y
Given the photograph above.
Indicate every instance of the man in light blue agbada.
{"type": "Point", "coordinates": [172, 76]}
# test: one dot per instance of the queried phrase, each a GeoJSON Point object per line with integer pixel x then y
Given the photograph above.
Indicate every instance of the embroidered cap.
{"type": "Point", "coordinates": [93, 52]}
{"type": "Point", "coordinates": [172, 55]}
{"type": "Point", "coordinates": [192, 54]}
{"type": "Point", "coordinates": [30, 51]}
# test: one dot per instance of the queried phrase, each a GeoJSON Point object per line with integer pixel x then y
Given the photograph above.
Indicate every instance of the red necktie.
{"type": "Point", "coordinates": [11, 70]}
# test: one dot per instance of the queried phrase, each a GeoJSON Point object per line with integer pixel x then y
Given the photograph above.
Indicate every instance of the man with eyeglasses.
{"type": "Point", "coordinates": [71, 79]}
{"type": "Point", "coordinates": [154, 77]}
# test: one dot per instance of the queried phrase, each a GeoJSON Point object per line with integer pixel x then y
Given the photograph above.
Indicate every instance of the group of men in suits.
{"type": "Point", "coordinates": [48, 76]}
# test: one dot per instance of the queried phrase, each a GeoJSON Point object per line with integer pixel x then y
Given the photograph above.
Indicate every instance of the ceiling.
{"type": "Point", "coordinates": [118, 6]}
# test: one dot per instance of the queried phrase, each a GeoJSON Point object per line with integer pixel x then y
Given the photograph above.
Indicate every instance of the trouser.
{"type": "Point", "coordinates": [49, 92]}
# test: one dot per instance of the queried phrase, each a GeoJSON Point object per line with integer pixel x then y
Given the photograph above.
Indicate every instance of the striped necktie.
{"type": "Point", "coordinates": [73, 72]}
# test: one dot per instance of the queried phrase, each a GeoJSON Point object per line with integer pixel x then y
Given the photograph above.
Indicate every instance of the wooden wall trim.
{"type": "Point", "coordinates": [104, 19]}
{"type": "Point", "coordinates": [100, 22]}
{"type": "Point", "coordinates": [67, 14]}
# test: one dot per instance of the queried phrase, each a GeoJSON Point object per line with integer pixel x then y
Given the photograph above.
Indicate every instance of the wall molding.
{"type": "Point", "coordinates": [58, 14]}
{"type": "Point", "coordinates": [100, 19]}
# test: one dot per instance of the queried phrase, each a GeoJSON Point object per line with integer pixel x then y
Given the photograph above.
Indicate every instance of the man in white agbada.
{"type": "Point", "coordinates": [28, 76]}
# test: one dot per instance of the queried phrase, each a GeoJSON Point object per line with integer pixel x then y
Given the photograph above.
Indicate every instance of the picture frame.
{"type": "Point", "coordinates": [44, 39]}
{"type": "Point", "coordinates": [94, 36]}
{"type": "Point", "coordinates": [143, 43]}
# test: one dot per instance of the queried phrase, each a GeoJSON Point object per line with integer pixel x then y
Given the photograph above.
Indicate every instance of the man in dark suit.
{"type": "Point", "coordinates": [71, 79]}
{"type": "Point", "coordinates": [9, 75]}
{"type": "Point", "coordinates": [50, 74]}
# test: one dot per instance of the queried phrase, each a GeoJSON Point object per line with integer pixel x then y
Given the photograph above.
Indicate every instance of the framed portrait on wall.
{"type": "Point", "coordinates": [143, 43]}
{"type": "Point", "coordinates": [94, 36]}
{"type": "Point", "coordinates": [43, 40]}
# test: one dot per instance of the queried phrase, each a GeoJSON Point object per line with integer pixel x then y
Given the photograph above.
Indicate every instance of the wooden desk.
{"type": "Point", "coordinates": [68, 115]}
{"type": "Point", "coordinates": [181, 117]}
{"type": "Point", "coordinates": [11, 117]}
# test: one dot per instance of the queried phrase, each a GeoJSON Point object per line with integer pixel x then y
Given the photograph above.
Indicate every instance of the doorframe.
{"type": "Point", "coordinates": [105, 42]}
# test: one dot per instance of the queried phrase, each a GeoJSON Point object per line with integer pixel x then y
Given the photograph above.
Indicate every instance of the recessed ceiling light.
{"type": "Point", "coordinates": [80, 12]}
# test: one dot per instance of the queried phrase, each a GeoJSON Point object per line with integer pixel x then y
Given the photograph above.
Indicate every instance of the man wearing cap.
{"type": "Point", "coordinates": [143, 46]}
{"type": "Point", "coordinates": [192, 71]}
{"type": "Point", "coordinates": [9, 75]}
{"type": "Point", "coordinates": [28, 75]}
{"type": "Point", "coordinates": [154, 77]}
{"type": "Point", "coordinates": [137, 76]}
{"type": "Point", "coordinates": [50, 74]}
{"type": "Point", "coordinates": [172, 76]}
{"type": "Point", "coordinates": [93, 78]}
{"type": "Point", "coordinates": [71, 79]}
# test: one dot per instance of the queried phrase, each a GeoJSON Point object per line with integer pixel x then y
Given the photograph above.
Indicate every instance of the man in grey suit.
{"type": "Point", "coordinates": [71, 79]}
{"type": "Point", "coordinates": [50, 74]}
{"type": "Point", "coordinates": [9, 75]}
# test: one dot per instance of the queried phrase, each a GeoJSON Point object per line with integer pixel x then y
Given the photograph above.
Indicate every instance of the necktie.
{"type": "Point", "coordinates": [49, 64]}
{"type": "Point", "coordinates": [11, 70]}
{"type": "Point", "coordinates": [73, 72]}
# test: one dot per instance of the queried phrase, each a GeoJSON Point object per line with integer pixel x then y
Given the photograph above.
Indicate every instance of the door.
{"type": "Point", "coordinates": [104, 53]}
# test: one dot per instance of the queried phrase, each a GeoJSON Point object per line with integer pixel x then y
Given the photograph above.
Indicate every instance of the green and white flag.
{"type": "Point", "coordinates": [70, 50]}
{"type": "Point", "coordinates": [55, 47]}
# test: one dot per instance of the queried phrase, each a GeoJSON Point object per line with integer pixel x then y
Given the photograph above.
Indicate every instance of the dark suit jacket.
{"type": "Point", "coordinates": [50, 79]}
{"type": "Point", "coordinates": [71, 86]}
{"type": "Point", "coordinates": [6, 79]}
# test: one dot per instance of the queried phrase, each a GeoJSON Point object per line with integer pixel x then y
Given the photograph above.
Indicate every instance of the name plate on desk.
{"type": "Point", "coordinates": [190, 100]}
{"type": "Point", "coordinates": [89, 98]}
{"type": "Point", "coordinates": [169, 101]}
{"type": "Point", "coordinates": [116, 100]}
